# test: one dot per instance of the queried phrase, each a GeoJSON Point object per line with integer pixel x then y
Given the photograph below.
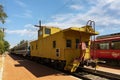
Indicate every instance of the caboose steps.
{"type": "Point", "coordinates": [72, 67]}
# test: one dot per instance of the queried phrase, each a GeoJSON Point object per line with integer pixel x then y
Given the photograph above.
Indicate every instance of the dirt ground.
{"type": "Point", "coordinates": [16, 68]}
{"type": "Point", "coordinates": [1, 66]}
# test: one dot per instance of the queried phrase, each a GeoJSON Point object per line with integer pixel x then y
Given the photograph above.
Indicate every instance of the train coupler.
{"type": "Point", "coordinates": [91, 62]}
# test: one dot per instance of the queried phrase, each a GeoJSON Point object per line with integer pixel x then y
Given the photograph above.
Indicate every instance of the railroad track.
{"type": "Point", "coordinates": [89, 74]}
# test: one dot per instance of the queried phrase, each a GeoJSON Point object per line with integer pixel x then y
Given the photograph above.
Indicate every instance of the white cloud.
{"type": "Point", "coordinates": [76, 7]}
{"type": "Point", "coordinates": [8, 20]}
{"type": "Point", "coordinates": [115, 5]}
{"type": "Point", "coordinates": [110, 1]}
{"type": "Point", "coordinates": [26, 14]}
{"type": "Point", "coordinates": [99, 12]}
{"type": "Point", "coordinates": [23, 32]}
{"type": "Point", "coordinates": [104, 12]}
{"type": "Point", "coordinates": [64, 21]}
{"type": "Point", "coordinates": [29, 31]}
{"type": "Point", "coordinates": [57, 24]}
{"type": "Point", "coordinates": [62, 17]}
{"type": "Point", "coordinates": [29, 26]}
{"type": "Point", "coordinates": [20, 3]}
{"type": "Point", "coordinates": [101, 30]}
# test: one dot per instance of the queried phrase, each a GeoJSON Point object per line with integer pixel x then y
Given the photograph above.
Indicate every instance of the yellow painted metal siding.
{"type": "Point", "coordinates": [68, 36]}
{"type": "Point", "coordinates": [53, 30]}
{"type": "Point", "coordinates": [72, 53]}
{"type": "Point", "coordinates": [33, 49]}
{"type": "Point", "coordinates": [45, 47]}
{"type": "Point", "coordinates": [45, 44]}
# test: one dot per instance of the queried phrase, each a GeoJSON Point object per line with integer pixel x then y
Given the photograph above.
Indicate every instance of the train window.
{"type": "Point", "coordinates": [104, 46]}
{"type": "Point", "coordinates": [68, 43]}
{"type": "Point", "coordinates": [54, 44]}
{"type": "Point", "coordinates": [57, 52]}
{"type": "Point", "coordinates": [77, 43]}
{"type": "Point", "coordinates": [47, 31]}
{"type": "Point", "coordinates": [115, 45]}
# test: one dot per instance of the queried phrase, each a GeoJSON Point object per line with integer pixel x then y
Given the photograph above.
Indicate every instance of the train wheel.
{"type": "Point", "coordinates": [61, 65]}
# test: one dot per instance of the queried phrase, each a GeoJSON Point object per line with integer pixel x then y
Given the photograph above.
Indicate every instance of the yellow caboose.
{"type": "Point", "coordinates": [62, 47]}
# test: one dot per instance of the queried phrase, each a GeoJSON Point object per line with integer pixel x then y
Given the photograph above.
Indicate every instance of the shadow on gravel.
{"type": "Point", "coordinates": [36, 69]}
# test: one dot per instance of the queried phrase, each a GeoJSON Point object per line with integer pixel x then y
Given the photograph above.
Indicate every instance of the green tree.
{"type": "Point", "coordinates": [23, 41]}
{"type": "Point", "coordinates": [1, 35]}
{"type": "Point", "coordinates": [6, 46]}
{"type": "Point", "coordinates": [3, 15]}
{"type": "Point", "coordinates": [1, 47]}
{"type": "Point", "coordinates": [1, 42]}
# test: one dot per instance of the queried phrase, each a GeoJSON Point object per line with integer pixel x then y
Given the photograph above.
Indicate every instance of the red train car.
{"type": "Point", "coordinates": [107, 48]}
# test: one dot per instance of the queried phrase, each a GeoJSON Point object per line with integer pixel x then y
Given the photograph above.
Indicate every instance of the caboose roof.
{"type": "Point", "coordinates": [84, 29]}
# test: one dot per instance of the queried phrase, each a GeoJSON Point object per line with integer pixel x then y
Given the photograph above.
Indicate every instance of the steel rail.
{"type": "Point", "coordinates": [104, 74]}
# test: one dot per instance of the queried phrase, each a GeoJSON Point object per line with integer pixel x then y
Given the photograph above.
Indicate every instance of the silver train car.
{"type": "Point", "coordinates": [21, 49]}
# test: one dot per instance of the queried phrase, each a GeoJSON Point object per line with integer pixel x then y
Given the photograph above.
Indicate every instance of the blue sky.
{"type": "Point", "coordinates": [24, 14]}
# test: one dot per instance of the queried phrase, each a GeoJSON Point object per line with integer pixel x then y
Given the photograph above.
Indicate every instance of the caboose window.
{"type": "Point", "coordinates": [47, 31]}
{"type": "Point", "coordinates": [77, 43]}
{"type": "Point", "coordinates": [54, 44]}
{"type": "Point", "coordinates": [68, 43]}
{"type": "Point", "coordinates": [115, 45]}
